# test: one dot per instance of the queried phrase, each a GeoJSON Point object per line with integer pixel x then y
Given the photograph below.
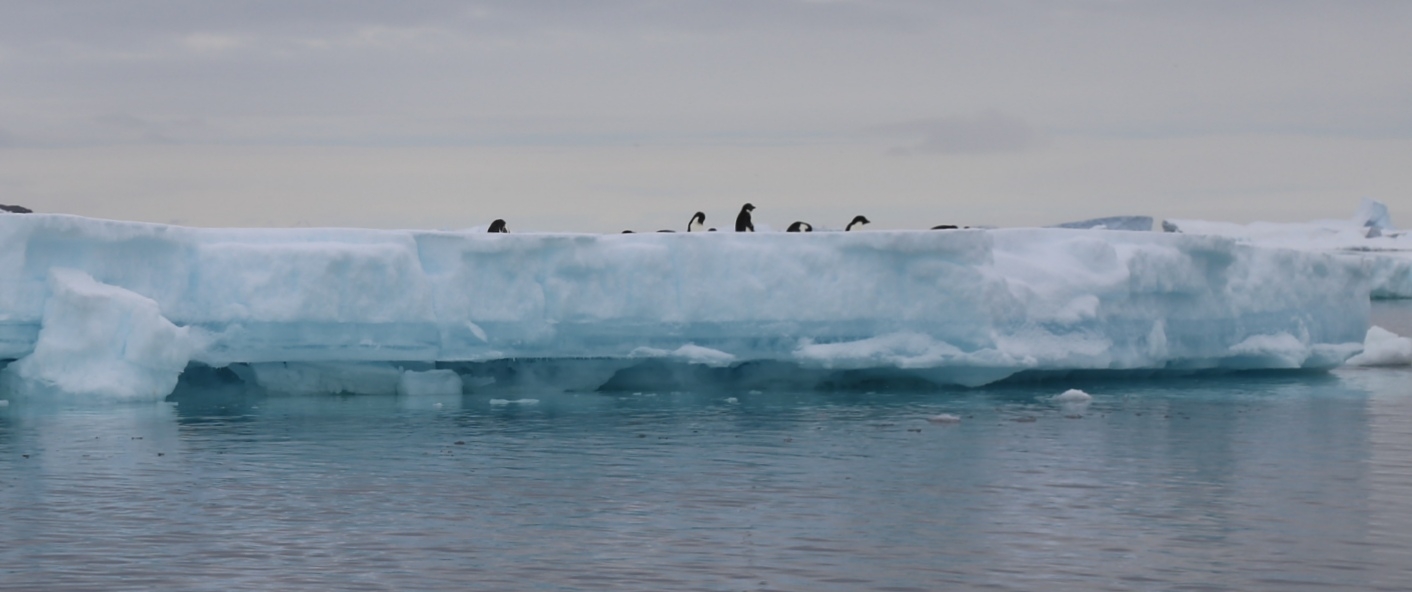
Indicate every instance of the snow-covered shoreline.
{"type": "Point", "coordinates": [129, 305]}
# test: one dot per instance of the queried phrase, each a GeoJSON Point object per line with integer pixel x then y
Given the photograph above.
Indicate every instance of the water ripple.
{"type": "Point", "coordinates": [1247, 482]}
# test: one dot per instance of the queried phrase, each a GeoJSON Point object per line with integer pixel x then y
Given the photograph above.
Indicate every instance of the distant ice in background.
{"type": "Point", "coordinates": [1133, 223]}
{"type": "Point", "coordinates": [117, 310]}
{"type": "Point", "coordinates": [1393, 315]}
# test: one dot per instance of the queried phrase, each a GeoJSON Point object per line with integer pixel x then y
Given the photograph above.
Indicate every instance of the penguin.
{"type": "Point", "coordinates": [627, 232]}
{"type": "Point", "coordinates": [498, 226]}
{"type": "Point", "coordinates": [15, 209]}
{"type": "Point", "coordinates": [673, 231]}
{"type": "Point", "coordinates": [698, 221]}
{"type": "Point", "coordinates": [944, 227]}
{"type": "Point", "coordinates": [800, 227]}
{"type": "Point", "coordinates": [742, 220]}
{"type": "Point", "coordinates": [858, 221]}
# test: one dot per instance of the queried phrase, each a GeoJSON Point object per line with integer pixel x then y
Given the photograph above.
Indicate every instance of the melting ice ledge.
{"type": "Point", "coordinates": [120, 310]}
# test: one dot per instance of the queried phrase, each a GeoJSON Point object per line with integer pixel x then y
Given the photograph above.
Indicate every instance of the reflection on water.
{"type": "Point", "coordinates": [1251, 481]}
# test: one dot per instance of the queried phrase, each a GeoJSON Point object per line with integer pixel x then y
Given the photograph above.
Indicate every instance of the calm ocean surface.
{"type": "Point", "coordinates": [1240, 482]}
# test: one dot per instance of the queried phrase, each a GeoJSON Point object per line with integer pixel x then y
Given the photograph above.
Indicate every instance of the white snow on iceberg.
{"type": "Point", "coordinates": [1367, 236]}
{"type": "Point", "coordinates": [101, 339]}
{"type": "Point", "coordinates": [291, 309]}
{"type": "Point", "coordinates": [1383, 348]}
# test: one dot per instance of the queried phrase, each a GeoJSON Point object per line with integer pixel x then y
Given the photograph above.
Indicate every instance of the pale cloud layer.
{"type": "Point", "coordinates": [599, 116]}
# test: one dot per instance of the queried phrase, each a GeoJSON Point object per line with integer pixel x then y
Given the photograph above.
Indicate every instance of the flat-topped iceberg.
{"type": "Point", "coordinates": [1368, 236]}
{"type": "Point", "coordinates": [126, 306]}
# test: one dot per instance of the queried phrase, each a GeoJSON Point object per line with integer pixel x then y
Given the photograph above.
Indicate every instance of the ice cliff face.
{"type": "Point", "coordinates": [1368, 238]}
{"type": "Point", "coordinates": [130, 304]}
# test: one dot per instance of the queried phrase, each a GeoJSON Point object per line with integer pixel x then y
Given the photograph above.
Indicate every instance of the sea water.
{"type": "Point", "coordinates": [1264, 481]}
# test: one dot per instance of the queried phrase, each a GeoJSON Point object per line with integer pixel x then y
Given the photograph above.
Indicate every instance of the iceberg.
{"type": "Point", "coordinates": [97, 337]}
{"type": "Point", "coordinates": [1368, 236]}
{"type": "Point", "coordinates": [118, 310]}
{"type": "Point", "coordinates": [1383, 348]}
{"type": "Point", "coordinates": [1134, 223]}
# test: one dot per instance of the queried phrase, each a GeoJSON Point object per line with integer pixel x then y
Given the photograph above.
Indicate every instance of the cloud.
{"type": "Point", "coordinates": [726, 97]}
{"type": "Point", "coordinates": [988, 132]}
{"type": "Point", "coordinates": [125, 128]}
{"type": "Point", "coordinates": [212, 42]}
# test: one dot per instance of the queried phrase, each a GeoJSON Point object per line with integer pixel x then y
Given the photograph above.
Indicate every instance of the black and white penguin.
{"type": "Point", "coordinates": [800, 227]}
{"type": "Point", "coordinates": [742, 220]}
{"type": "Point", "coordinates": [697, 223]}
{"type": "Point", "coordinates": [858, 221]}
{"type": "Point", "coordinates": [944, 227]}
{"type": "Point", "coordinates": [498, 226]}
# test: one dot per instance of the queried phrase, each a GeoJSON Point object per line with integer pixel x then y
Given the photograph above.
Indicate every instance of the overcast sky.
{"type": "Point", "coordinates": [611, 114]}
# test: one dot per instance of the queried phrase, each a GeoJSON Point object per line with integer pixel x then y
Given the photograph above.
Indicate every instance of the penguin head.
{"type": "Point", "coordinates": [747, 208]}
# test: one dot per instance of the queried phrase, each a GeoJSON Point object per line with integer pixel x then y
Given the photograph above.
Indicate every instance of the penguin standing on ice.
{"type": "Point", "coordinates": [697, 223]}
{"type": "Point", "coordinates": [742, 220]}
{"type": "Point", "coordinates": [498, 226]}
{"type": "Point", "coordinates": [858, 221]}
{"type": "Point", "coordinates": [800, 227]}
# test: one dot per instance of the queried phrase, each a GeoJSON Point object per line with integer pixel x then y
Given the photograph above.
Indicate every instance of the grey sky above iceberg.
{"type": "Point", "coordinates": [600, 116]}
